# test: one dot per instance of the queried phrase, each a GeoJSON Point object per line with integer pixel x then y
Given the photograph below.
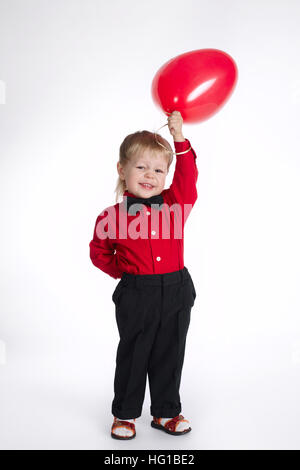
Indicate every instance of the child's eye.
{"type": "Point", "coordinates": [144, 167]}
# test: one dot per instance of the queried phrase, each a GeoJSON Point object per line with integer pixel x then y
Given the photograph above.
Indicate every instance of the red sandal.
{"type": "Point", "coordinates": [170, 426]}
{"type": "Point", "coordinates": [122, 424]}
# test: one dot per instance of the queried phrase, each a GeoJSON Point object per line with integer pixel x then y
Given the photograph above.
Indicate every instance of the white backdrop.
{"type": "Point", "coordinates": [75, 80]}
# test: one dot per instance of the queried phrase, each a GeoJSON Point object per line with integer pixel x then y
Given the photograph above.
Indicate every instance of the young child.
{"type": "Point", "coordinates": [144, 247]}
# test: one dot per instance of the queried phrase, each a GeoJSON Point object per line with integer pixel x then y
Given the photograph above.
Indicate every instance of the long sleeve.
{"type": "Point", "coordinates": [102, 253]}
{"type": "Point", "coordinates": [183, 187]}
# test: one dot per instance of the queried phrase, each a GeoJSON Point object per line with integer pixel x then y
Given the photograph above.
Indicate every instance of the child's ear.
{"type": "Point", "coordinates": [119, 168]}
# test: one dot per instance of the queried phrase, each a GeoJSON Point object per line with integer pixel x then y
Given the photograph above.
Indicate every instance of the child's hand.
{"type": "Point", "coordinates": [175, 125]}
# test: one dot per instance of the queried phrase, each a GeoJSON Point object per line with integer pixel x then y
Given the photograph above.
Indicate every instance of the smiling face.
{"type": "Point", "coordinates": [146, 168]}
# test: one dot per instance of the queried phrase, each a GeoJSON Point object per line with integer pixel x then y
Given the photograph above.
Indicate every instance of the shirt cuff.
{"type": "Point", "coordinates": [181, 146]}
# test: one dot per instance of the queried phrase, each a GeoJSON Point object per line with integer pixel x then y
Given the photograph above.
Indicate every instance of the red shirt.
{"type": "Point", "coordinates": [160, 247]}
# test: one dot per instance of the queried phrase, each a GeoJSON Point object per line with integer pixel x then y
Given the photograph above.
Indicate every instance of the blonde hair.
{"type": "Point", "coordinates": [138, 142]}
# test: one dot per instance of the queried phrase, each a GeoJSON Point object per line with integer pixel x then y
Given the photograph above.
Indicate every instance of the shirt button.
{"type": "Point", "coordinates": [158, 258]}
{"type": "Point", "coordinates": [148, 213]}
{"type": "Point", "coordinates": [153, 232]}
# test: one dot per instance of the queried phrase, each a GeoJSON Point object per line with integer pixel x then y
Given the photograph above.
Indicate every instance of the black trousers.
{"type": "Point", "coordinates": [153, 316]}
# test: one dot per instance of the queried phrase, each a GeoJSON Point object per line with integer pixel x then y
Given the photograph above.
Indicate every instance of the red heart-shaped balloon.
{"type": "Point", "coordinates": [196, 83]}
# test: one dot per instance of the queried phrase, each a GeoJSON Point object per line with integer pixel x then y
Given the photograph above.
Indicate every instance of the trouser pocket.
{"type": "Point", "coordinates": [188, 292]}
{"type": "Point", "coordinates": [129, 310]}
{"type": "Point", "coordinates": [117, 292]}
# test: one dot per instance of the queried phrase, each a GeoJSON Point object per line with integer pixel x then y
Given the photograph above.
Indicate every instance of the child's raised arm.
{"type": "Point", "coordinates": [183, 189]}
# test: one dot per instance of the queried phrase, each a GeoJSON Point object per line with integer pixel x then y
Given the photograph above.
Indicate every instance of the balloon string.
{"type": "Point", "coordinates": [174, 153]}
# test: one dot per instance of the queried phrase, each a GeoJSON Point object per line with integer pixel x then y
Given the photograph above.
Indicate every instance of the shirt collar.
{"type": "Point", "coordinates": [127, 193]}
